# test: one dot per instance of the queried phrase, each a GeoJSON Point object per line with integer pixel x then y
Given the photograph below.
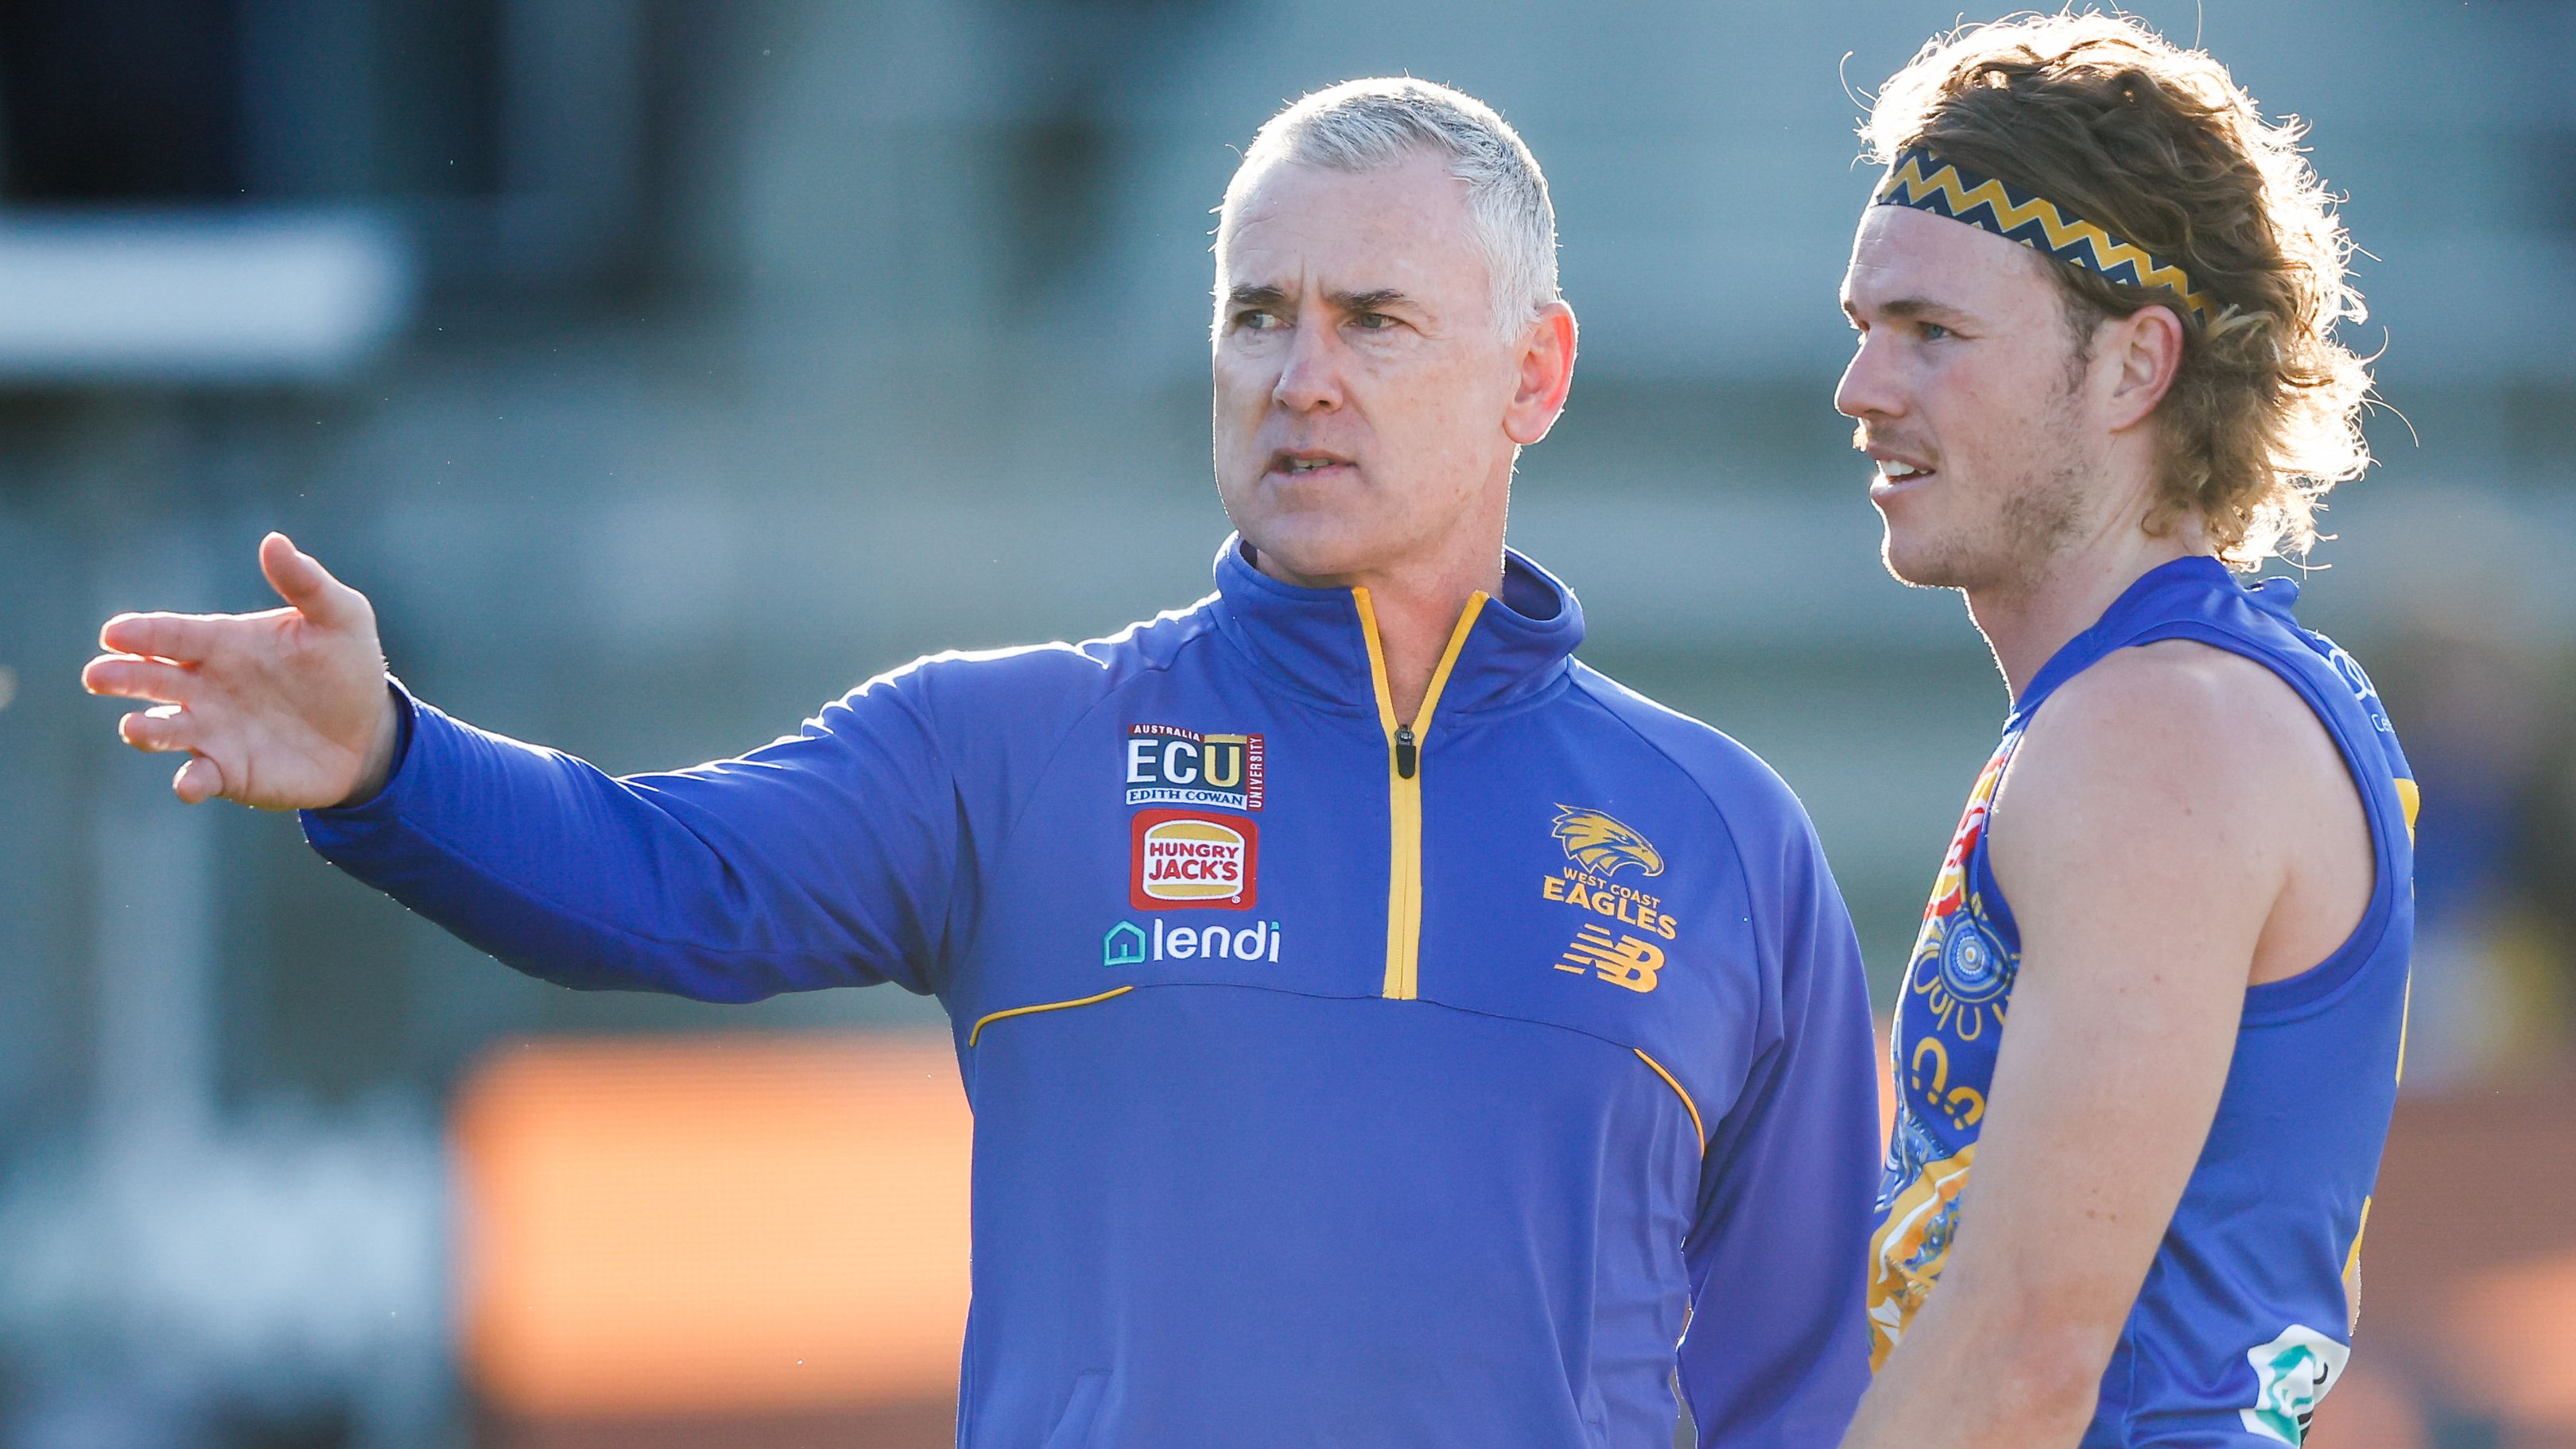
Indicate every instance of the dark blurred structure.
{"type": "Point", "coordinates": [508, 137]}
{"type": "Point", "coordinates": [2495, 882]}
{"type": "Point", "coordinates": [662, 369]}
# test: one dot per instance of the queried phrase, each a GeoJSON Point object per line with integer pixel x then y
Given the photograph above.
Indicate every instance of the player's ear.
{"type": "Point", "coordinates": [2147, 346]}
{"type": "Point", "coordinates": [1546, 374]}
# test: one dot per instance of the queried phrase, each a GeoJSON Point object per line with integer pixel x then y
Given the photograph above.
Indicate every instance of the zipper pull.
{"type": "Point", "coordinates": [1407, 757]}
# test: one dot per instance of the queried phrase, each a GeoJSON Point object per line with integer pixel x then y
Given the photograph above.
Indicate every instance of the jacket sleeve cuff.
{"type": "Point", "coordinates": [400, 779]}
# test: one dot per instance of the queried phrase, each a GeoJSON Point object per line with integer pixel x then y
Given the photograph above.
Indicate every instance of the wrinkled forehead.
{"type": "Point", "coordinates": [1902, 254]}
{"type": "Point", "coordinates": [1407, 222]}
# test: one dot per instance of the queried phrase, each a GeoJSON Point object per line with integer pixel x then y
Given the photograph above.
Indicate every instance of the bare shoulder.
{"type": "Point", "coordinates": [2177, 716]}
{"type": "Point", "coordinates": [2186, 771]}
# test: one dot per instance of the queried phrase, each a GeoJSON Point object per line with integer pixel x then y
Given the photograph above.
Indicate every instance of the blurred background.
{"type": "Point", "coordinates": [661, 369]}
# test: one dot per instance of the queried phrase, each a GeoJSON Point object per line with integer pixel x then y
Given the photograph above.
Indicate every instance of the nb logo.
{"type": "Point", "coordinates": [1621, 961]}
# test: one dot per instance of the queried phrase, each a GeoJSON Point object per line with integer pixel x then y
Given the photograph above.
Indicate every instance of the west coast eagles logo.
{"type": "Point", "coordinates": [1602, 845]}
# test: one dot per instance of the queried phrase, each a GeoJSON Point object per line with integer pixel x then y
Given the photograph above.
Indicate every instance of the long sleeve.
{"type": "Point", "coordinates": [832, 857]}
{"type": "Point", "coordinates": [1777, 1352]}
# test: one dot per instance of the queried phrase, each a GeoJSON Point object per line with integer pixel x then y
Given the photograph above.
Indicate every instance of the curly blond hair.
{"type": "Point", "coordinates": [2159, 145]}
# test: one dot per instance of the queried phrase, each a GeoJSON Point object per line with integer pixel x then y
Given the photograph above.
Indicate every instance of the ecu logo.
{"type": "Point", "coordinates": [1602, 845]}
{"type": "Point", "coordinates": [1168, 765]}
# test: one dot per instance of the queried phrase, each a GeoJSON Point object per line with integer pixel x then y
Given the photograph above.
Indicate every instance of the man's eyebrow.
{"type": "Point", "coordinates": [1377, 299]}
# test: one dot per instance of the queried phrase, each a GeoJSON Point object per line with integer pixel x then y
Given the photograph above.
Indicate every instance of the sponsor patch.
{"type": "Point", "coordinates": [1193, 858]}
{"type": "Point", "coordinates": [1127, 944]}
{"type": "Point", "coordinates": [1168, 765]}
{"type": "Point", "coordinates": [2291, 1375]}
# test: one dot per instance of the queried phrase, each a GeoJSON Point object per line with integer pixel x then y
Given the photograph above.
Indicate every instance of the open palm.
{"type": "Point", "coordinates": [283, 710]}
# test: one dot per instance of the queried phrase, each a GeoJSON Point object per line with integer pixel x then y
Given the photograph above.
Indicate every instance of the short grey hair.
{"type": "Point", "coordinates": [1366, 125]}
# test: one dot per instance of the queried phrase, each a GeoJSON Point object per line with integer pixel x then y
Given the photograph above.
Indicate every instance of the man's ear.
{"type": "Point", "coordinates": [2147, 347]}
{"type": "Point", "coordinates": [1546, 363]}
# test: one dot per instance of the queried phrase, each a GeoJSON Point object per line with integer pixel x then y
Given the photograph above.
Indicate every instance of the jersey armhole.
{"type": "Point", "coordinates": [1981, 881]}
{"type": "Point", "coordinates": [2312, 989]}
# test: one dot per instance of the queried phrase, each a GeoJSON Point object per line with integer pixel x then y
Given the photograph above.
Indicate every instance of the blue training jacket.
{"type": "Point", "coordinates": [1337, 1081]}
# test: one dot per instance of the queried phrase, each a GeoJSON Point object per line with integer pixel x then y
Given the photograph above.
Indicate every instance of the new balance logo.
{"type": "Point", "coordinates": [1621, 960]}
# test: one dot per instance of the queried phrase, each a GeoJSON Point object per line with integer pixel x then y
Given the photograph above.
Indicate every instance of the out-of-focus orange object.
{"type": "Point", "coordinates": [2368, 1409]}
{"type": "Point", "coordinates": [2508, 1327]}
{"type": "Point", "coordinates": [713, 1224]}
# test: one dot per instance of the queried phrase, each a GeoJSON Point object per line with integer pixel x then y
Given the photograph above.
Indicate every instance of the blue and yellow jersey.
{"type": "Point", "coordinates": [2245, 1318]}
{"type": "Point", "coordinates": [1338, 1078]}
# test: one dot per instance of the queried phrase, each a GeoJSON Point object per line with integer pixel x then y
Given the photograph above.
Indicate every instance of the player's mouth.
{"type": "Point", "coordinates": [1310, 465]}
{"type": "Point", "coordinates": [1896, 472]}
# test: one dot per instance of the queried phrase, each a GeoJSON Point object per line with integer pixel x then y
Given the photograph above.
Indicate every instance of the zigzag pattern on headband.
{"type": "Point", "coordinates": [1925, 182]}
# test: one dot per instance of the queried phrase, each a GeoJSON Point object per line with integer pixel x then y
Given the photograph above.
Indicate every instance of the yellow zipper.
{"type": "Point", "coordinates": [1404, 796]}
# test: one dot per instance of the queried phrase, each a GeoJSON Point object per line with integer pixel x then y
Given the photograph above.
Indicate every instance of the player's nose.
{"type": "Point", "coordinates": [1868, 388]}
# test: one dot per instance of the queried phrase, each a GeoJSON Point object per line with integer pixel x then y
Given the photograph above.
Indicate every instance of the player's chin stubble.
{"type": "Point", "coordinates": [2006, 551]}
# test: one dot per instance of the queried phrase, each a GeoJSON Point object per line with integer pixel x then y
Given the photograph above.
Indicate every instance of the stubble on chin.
{"type": "Point", "coordinates": [2008, 550]}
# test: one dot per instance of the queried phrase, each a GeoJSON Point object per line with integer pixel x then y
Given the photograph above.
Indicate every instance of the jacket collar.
{"type": "Point", "coordinates": [1315, 640]}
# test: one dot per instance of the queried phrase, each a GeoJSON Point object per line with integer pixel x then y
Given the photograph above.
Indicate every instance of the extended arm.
{"type": "Point", "coordinates": [824, 859]}
{"type": "Point", "coordinates": [827, 858]}
{"type": "Point", "coordinates": [2136, 836]}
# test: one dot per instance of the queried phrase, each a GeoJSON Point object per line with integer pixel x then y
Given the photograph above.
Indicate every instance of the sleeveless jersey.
{"type": "Point", "coordinates": [2245, 1317]}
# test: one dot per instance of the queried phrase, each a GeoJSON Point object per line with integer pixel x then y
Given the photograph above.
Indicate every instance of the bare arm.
{"type": "Point", "coordinates": [283, 710]}
{"type": "Point", "coordinates": [2140, 836]}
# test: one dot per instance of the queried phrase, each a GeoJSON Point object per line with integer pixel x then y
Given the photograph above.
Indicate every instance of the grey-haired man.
{"type": "Point", "coordinates": [1381, 1028]}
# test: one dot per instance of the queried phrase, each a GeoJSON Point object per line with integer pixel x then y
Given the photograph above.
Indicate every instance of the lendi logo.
{"type": "Point", "coordinates": [1127, 944]}
{"type": "Point", "coordinates": [1193, 858]}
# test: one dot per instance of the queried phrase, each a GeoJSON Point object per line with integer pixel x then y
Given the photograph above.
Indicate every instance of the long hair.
{"type": "Point", "coordinates": [2159, 145]}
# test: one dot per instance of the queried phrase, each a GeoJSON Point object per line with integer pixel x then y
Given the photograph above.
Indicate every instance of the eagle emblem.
{"type": "Point", "coordinates": [1602, 845]}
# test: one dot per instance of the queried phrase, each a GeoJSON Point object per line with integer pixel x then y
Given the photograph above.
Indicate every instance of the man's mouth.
{"type": "Point", "coordinates": [1306, 462]}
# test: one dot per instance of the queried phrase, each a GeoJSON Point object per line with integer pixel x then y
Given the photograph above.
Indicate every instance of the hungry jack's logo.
{"type": "Point", "coordinates": [1168, 765]}
{"type": "Point", "coordinates": [1183, 858]}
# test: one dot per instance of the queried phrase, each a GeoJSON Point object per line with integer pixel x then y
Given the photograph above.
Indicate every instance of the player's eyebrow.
{"type": "Point", "coordinates": [1914, 308]}
{"type": "Point", "coordinates": [1255, 295]}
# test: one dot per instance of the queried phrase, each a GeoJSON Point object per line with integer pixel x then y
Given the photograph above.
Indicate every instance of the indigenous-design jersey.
{"type": "Point", "coordinates": [1950, 1018]}
{"type": "Point", "coordinates": [1337, 1078]}
{"type": "Point", "coordinates": [2246, 1315]}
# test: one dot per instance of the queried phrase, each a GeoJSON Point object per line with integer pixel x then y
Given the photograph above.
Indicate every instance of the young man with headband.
{"type": "Point", "coordinates": [2096, 296]}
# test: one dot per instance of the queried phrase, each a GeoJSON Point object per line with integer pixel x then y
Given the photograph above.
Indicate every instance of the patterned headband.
{"type": "Point", "coordinates": [1925, 182]}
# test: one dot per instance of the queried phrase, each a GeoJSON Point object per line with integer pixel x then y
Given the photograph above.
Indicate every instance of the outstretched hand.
{"type": "Point", "coordinates": [283, 710]}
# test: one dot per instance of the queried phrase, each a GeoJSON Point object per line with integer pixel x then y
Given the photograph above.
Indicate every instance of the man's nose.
{"type": "Point", "coordinates": [1868, 388]}
{"type": "Point", "coordinates": [1310, 376]}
